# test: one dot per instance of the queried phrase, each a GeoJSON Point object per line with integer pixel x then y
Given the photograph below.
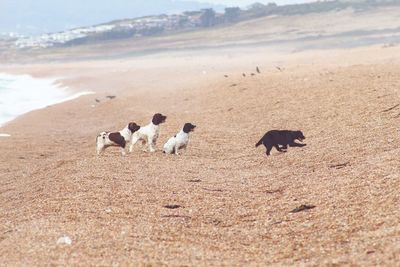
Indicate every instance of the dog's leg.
{"type": "Point", "coordinates": [151, 148]}
{"type": "Point", "coordinates": [154, 143]}
{"type": "Point", "coordinates": [151, 144]}
{"type": "Point", "coordinates": [278, 148]}
{"type": "Point", "coordinates": [133, 142]}
{"type": "Point", "coordinates": [268, 150]}
{"type": "Point", "coordinates": [123, 152]}
{"type": "Point", "coordinates": [144, 147]}
{"type": "Point", "coordinates": [294, 144]}
{"type": "Point", "coordinates": [176, 149]}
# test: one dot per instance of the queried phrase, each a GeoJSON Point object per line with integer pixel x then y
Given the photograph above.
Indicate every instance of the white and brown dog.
{"type": "Point", "coordinates": [106, 139]}
{"type": "Point", "coordinates": [149, 133]}
{"type": "Point", "coordinates": [179, 141]}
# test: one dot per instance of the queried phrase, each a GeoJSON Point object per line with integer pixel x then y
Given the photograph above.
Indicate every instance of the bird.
{"type": "Point", "coordinates": [226, 76]}
{"type": "Point", "coordinates": [252, 74]}
{"type": "Point", "coordinates": [98, 101]}
{"type": "Point", "coordinates": [278, 68]}
{"type": "Point", "coordinates": [258, 70]}
{"type": "Point", "coordinates": [111, 96]}
{"type": "Point", "coordinates": [244, 74]}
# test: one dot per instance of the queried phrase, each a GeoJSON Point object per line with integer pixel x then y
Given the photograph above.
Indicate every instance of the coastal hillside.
{"type": "Point", "coordinates": [35, 17]}
{"type": "Point", "coordinates": [189, 21]}
{"type": "Point", "coordinates": [289, 33]}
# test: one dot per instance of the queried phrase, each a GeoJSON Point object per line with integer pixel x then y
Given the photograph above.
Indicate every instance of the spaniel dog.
{"type": "Point", "coordinates": [106, 139]}
{"type": "Point", "coordinates": [179, 141]}
{"type": "Point", "coordinates": [149, 133]}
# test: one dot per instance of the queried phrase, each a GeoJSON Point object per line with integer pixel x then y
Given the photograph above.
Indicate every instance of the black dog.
{"type": "Point", "coordinates": [275, 138]}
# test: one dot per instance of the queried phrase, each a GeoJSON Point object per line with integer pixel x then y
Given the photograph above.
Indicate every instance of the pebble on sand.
{"type": "Point", "coordinates": [64, 240]}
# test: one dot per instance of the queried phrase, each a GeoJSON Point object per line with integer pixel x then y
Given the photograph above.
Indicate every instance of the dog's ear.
{"type": "Point", "coordinates": [299, 134]}
{"type": "Point", "coordinates": [158, 118]}
{"type": "Point", "coordinates": [133, 127]}
{"type": "Point", "coordinates": [188, 127]}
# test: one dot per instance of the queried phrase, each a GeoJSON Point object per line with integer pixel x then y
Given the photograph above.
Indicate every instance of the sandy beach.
{"type": "Point", "coordinates": [235, 203]}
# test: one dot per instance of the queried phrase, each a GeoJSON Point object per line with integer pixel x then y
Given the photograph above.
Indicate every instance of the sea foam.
{"type": "Point", "coordinates": [20, 94]}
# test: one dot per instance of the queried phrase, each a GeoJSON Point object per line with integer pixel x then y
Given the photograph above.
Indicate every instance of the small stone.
{"type": "Point", "coordinates": [64, 240]}
{"type": "Point", "coordinates": [302, 208]}
{"type": "Point", "coordinates": [172, 206]}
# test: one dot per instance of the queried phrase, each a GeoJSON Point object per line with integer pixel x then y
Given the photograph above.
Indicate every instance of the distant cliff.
{"type": "Point", "coordinates": [191, 20]}
{"type": "Point", "coordinates": [30, 17]}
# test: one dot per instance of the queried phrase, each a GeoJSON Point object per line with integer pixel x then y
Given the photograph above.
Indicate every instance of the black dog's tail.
{"type": "Point", "coordinates": [260, 142]}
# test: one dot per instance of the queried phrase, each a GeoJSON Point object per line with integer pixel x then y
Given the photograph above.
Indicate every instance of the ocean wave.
{"type": "Point", "coordinates": [20, 94]}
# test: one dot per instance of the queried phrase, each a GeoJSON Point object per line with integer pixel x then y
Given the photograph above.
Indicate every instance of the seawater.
{"type": "Point", "coordinates": [20, 94]}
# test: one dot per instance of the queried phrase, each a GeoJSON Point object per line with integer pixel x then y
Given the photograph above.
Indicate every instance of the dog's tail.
{"type": "Point", "coordinates": [97, 145]}
{"type": "Point", "coordinates": [260, 142]}
{"type": "Point", "coordinates": [98, 136]}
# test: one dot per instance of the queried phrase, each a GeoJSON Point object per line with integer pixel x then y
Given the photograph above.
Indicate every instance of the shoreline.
{"type": "Point", "coordinates": [25, 94]}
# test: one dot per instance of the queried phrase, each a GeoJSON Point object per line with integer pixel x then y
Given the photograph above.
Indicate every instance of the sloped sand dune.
{"type": "Point", "coordinates": [234, 202]}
